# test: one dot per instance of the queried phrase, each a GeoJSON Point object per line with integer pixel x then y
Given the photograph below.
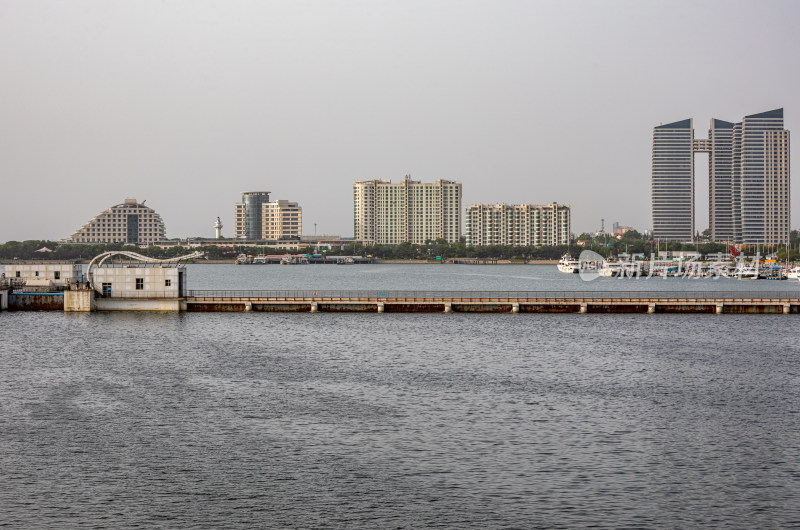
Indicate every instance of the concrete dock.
{"type": "Point", "coordinates": [786, 302]}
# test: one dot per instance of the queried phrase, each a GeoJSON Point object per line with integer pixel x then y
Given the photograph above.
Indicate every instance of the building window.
{"type": "Point", "coordinates": [57, 275]}
{"type": "Point", "coordinates": [139, 284]}
{"type": "Point", "coordinates": [167, 283]}
{"type": "Point", "coordinates": [18, 274]}
{"type": "Point", "coordinates": [36, 273]}
{"type": "Point", "coordinates": [106, 289]}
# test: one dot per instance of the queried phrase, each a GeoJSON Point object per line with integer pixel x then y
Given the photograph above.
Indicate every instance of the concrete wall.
{"type": "Point", "coordinates": [3, 300]}
{"type": "Point", "coordinates": [112, 304]}
{"type": "Point", "coordinates": [79, 301]}
{"type": "Point", "coordinates": [155, 281]}
{"type": "Point", "coordinates": [36, 302]}
{"type": "Point", "coordinates": [67, 272]}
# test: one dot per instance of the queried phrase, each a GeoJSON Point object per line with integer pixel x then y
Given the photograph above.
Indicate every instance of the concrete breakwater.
{"type": "Point", "coordinates": [775, 302]}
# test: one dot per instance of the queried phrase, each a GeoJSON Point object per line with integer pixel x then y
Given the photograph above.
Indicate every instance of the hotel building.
{"type": "Point", "coordinates": [129, 223]}
{"type": "Point", "coordinates": [259, 219]}
{"type": "Point", "coordinates": [408, 211]}
{"type": "Point", "coordinates": [518, 224]}
{"type": "Point", "coordinates": [749, 180]}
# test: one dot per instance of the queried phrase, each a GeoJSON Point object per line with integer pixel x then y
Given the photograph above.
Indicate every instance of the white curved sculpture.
{"type": "Point", "coordinates": [98, 261]}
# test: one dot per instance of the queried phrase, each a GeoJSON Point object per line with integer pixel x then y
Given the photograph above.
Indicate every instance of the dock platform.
{"type": "Point", "coordinates": [786, 302]}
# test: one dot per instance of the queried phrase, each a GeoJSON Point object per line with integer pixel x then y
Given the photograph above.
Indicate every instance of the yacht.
{"type": "Point", "coordinates": [632, 269]}
{"type": "Point", "coordinates": [746, 271]}
{"type": "Point", "coordinates": [569, 265]}
{"type": "Point", "coordinates": [610, 269]}
{"type": "Point", "coordinates": [793, 273]}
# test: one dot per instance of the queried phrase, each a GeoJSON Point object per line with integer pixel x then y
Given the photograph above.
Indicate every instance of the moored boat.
{"type": "Point", "coordinates": [569, 265]}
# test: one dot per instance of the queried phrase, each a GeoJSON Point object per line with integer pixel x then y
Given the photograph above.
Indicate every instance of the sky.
{"type": "Point", "coordinates": [185, 104]}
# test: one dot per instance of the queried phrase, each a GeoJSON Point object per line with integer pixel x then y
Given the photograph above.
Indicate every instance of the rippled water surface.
{"type": "Point", "coordinates": [387, 277]}
{"type": "Point", "coordinates": [399, 420]}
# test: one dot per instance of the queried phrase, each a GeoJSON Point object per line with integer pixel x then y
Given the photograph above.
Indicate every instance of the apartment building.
{"type": "Point", "coordinates": [407, 211]}
{"type": "Point", "coordinates": [518, 224]}
{"type": "Point", "coordinates": [258, 218]}
{"type": "Point", "coordinates": [130, 223]}
{"type": "Point", "coordinates": [281, 220]}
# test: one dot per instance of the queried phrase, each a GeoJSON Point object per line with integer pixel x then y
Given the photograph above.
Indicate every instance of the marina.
{"type": "Point", "coordinates": [300, 259]}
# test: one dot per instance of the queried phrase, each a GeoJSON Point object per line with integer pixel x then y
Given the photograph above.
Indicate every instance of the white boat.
{"type": "Point", "coordinates": [610, 269]}
{"type": "Point", "coordinates": [746, 271]}
{"type": "Point", "coordinates": [631, 269]}
{"type": "Point", "coordinates": [569, 265]}
{"type": "Point", "coordinates": [288, 259]}
{"type": "Point", "coordinates": [793, 273]}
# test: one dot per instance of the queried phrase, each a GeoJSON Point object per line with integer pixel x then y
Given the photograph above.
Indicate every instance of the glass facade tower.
{"type": "Point", "coordinates": [673, 181]}
{"type": "Point", "coordinates": [249, 214]}
{"type": "Point", "coordinates": [748, 178]}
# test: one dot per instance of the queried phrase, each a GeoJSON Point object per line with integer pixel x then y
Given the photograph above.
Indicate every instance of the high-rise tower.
{"type": "Point", "coordinates": [673, 181]}
{"type": "Point", "coordinates": [748, 177]}
{"type": "Point", "coordinates": [763, 176]}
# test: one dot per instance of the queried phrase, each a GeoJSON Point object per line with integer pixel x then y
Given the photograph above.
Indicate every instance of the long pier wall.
{"type": "Point", "coordinates": [776, 302]}
{"type": "Point", "coordinates": [578, 305]}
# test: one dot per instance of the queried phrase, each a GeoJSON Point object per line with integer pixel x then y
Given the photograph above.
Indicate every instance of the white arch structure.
{"type": "Point", "coordinates": [98, 261]}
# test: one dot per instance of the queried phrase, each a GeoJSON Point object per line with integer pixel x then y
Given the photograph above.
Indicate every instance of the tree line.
{"type": "Point", "coordinates": [631, 242]}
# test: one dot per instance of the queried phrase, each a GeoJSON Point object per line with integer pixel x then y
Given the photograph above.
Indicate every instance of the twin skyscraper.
{"type": "Point", "coordinates": [748, 178]}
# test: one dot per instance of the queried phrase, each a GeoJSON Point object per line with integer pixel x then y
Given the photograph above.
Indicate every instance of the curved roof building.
{"type": "Point", "coordinates": [127, 223]}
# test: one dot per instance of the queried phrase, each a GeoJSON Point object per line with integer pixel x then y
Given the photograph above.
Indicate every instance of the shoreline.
{"type": "Point", "coordinates": [376, 262]}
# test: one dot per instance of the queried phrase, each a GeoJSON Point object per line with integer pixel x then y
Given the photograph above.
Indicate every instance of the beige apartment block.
{"type": "Point", "coordinates": [130, 223]}
{"type": "Point", "coordinates": [239, 231]}
{"type": "Point", "coordinates": [408, 211]}
{"type": "Point", "coordinates": [259, 219]}
{"type": "Point", "coordinates": [518, 224]}
{"type": "Point", "coordinates": [281, 220]}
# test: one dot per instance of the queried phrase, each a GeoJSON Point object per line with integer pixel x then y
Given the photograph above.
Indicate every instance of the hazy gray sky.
{"type": "Point", "coordinates": [187, 103]}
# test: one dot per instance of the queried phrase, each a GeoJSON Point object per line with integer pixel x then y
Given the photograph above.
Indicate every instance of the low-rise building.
{"type": "Point", "coordinates": [45, 273]}
{"type": "Point", "coordinates": [518, 224]}
{"type": "Point", "coordinates": [140, 281]}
